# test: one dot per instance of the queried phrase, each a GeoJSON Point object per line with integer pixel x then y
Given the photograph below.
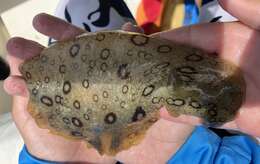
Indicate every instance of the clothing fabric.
{"type": "Point", "coordinates": [94, 15]}
{"type": "Point", "coordinates": [158, 15]}
{"type": "Point", "coordinates": [205, 147]}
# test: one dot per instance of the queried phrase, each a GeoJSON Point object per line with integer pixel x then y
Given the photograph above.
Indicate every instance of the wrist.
{"type": "Point", "coordinates": [61, 149]}
{"type": "Point", "coordinates": [25, 157]}
{"type": "Point", "coordinates": [160, 143]}
{"type": "Point", "coordinates": [172, 136]}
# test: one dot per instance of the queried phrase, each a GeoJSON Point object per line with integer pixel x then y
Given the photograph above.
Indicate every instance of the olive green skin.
{"type": "Point", "coordinates": [107, 88]}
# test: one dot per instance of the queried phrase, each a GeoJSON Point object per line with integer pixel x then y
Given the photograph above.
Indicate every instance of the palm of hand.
{"type": "Point", "coordinates": [240, 46]}
{"type": "Point", "coordinates": [234, 42]}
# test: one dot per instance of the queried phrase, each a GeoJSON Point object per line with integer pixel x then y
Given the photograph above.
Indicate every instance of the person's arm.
{"type": "Point", "coordinates": [204, 146]}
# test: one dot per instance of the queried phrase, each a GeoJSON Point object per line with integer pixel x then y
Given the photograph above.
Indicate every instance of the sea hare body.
{"type": "Point", "coordinates": [106, 87]}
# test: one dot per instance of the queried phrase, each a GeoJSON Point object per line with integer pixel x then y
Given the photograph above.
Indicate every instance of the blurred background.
{"type": "Point", "coordinates": [16, 20]}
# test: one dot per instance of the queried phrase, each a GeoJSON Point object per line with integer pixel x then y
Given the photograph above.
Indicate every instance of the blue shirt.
{"type": "Point", "coordinates": [205, 147]}
{"type": "Point", "coordinates": [202, 147]}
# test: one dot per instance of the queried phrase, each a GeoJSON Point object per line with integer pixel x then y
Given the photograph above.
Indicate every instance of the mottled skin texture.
{"type": "Point", "coordinates": [107, 88]}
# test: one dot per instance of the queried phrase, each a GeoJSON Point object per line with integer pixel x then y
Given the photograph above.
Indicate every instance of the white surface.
{"type": "Point", "coordinates": [81, 8]}
{"type": "Point", "coordinates": [18, 20]}
{"type": "Point", "coordinates": [7, 4]}
{"type": "Point", "coordinates": [132, 5]}
{"type": "Point", "coordinates": [10, 140]}
{"type": "Point", "coordinates": [212, 10]}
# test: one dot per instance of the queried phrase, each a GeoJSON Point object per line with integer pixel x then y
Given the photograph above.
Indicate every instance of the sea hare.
{"type": "Point", "coordinates": [106, 88]}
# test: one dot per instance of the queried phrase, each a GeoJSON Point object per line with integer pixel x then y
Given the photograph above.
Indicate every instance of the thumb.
{"type": "Point", "coordinates": [15, 85]}
{"type": "Point", "coordinates": [205, 36]}
{"type": "Point", "coordinates": [246, 11]}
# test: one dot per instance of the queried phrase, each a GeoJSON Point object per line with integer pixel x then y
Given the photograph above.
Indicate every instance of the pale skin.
{"type": "Point", "coordinates": [236, 42]}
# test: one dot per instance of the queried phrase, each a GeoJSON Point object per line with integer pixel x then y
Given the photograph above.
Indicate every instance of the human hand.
{"type": "Point", "coordinates": [237, 42]}
{"type": "Point", "coordinates": [163, 136]}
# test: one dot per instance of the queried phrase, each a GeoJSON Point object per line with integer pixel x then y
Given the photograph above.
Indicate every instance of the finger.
{"type": "Point", "coordinates": [16, 86]}
{"type": "Point", "coordinates": [21, 49]}
{"type": "Point", "coordinates": [246, 11]}
{"type": "Point", "coordinates": [204, 36]}
{"type": "Point", "coordinates": [132, 28]}
{"type": "Point", "coordinates": [229, 40]}
{"type": "Point", "coordinates": [55, 28]}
